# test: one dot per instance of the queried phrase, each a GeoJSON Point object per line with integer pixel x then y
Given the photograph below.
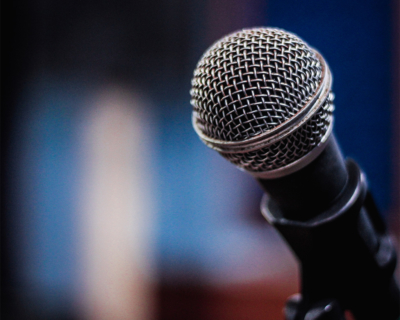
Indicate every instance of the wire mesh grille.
{"type": "Point", "coordinates": [289, 149]}
{"type": "Point", "coordinates": [251, 81]}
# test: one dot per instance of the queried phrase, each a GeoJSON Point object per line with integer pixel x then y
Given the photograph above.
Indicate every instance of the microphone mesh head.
{"type": "Point", "coordinates": [289, 149]}
{"type": "Point", "coordinates": [253, 81]}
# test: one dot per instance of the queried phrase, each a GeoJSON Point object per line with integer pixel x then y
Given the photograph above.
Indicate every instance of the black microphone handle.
{"type": "Point", "coordinates": [309, 191]}
{"type": "Point", "coordinates": [329, 219]}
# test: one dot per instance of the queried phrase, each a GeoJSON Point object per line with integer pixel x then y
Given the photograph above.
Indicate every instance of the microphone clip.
{"type": "Point", "coordinates": [346, 257]}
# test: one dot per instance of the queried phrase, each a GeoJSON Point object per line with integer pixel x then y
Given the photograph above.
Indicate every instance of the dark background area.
{"type": "Point", "coordinates": [64, 49]}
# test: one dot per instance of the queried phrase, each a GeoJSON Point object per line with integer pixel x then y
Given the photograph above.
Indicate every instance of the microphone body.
{"type": "Point", "coordinates": [311, 190]}
{"type": "Point", "coordinates": [262, 98]}
{"type": "Point", "coordinates": [346, 257]}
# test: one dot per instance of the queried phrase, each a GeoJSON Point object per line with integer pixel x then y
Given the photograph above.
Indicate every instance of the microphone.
{"type": "Point", "coordinates": [263, 99]}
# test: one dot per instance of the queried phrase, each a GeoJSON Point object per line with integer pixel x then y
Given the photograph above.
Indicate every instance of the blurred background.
{"type": "Point", "coordinates": [112, 208]}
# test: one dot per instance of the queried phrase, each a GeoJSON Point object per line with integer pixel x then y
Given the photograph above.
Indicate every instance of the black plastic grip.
{"type": "Point", "coordinates": [345, 254]}
{"type": "Point", "coordinates": [312, 189]}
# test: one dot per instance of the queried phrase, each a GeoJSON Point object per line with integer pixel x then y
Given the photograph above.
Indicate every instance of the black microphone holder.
{"type": "Point", "coordinates": [346, 257]}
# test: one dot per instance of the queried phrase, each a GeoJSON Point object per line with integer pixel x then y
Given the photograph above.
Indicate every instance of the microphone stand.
{"type": "Point", "coordinates": [346, 257]}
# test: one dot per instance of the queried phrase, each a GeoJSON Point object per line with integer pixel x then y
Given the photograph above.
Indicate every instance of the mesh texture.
{"type": "Point", "coordinates": [289, 149]}
{"type": "Point", "coordinates": [251, 81]}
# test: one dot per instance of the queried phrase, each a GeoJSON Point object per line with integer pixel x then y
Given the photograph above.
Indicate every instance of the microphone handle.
{"type": "Point", "coordinates": [307, 192]}
{"type": "Point", "coordinates": [347, 259]}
